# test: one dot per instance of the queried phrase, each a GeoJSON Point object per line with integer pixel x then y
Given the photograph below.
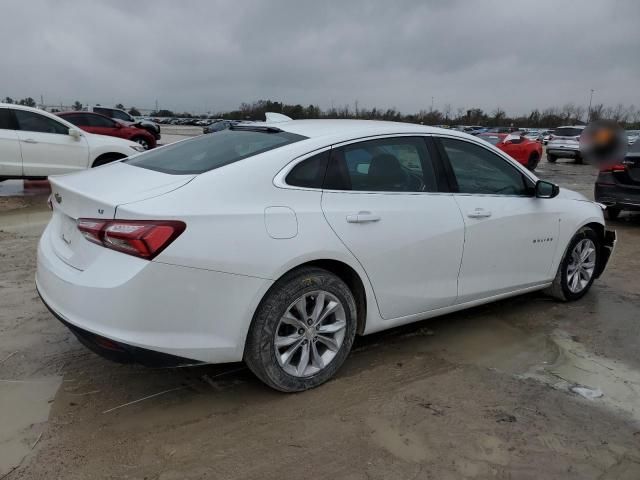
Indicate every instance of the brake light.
{"type": "Point", "coordinates": [140, 238]}
{"type": "Point", "coordinates": [617, 167]}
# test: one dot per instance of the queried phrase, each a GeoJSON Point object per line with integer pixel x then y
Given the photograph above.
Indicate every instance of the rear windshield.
{"type": "Point", "coordinates": [567, 132]}
{"type": "Point", "coordinates": [492, 139]}
{"type": "Point", "coordinates": [211, 151]}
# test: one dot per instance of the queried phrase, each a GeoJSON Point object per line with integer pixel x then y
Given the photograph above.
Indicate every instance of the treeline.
{"type": "Point", "coordinates": [568, 114]}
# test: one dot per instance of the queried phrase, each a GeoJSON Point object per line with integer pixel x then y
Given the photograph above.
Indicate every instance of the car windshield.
{"type": "Point", "coordinates": [634, 149]}
{"type": "Point", "coordinates": [568, 132]}
{"type": "Point", "coordinates": [208, 152]}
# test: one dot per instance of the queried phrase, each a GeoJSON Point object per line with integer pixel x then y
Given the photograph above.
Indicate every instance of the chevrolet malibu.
{"type": "Point", "coordinates": [277, 243]}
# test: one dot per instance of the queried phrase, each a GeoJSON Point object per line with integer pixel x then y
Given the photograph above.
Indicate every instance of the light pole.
{"type": "Point", "coordinates": [590, 100]}
{"type": "Point", "coordinates": [432, 103]}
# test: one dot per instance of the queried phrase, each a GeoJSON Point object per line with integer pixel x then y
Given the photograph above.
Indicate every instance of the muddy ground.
{"type": "Point", "coordinates": [493, 392]}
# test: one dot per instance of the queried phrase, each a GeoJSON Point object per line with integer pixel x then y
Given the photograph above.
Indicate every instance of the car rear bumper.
{"type": "Point", "coordinates": [166, 313]}
{"type": "Point", "coordinates": [563, 151]}
{"type": "Point", "coordinates": [613, 195]}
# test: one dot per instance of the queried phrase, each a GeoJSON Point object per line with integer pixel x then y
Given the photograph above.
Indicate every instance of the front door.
{"type": "Point", "coordinates": [510, 235]}
{"type": "Point", "coordinates": [380, 199]}
{"type": "Point", "coordinates": [47, 148]}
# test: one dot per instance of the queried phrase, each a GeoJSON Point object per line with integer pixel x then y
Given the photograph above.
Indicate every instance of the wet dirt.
{"type": "Point", "coordinates": [492, 392]}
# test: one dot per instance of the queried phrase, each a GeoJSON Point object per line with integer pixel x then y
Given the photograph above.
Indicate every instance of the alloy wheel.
{"type": "Point", "coordinates": [582, 264]}
{"type": "Point", "coordinates": [310, 333]}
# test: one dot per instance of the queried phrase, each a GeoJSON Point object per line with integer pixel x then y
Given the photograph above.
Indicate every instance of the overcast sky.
{"type": "Point", "coordinates": [211, 55]}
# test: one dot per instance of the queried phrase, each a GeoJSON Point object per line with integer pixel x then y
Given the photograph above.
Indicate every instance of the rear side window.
{"type": "Point", "coordinates": [400, 164]}
{"type": "Point", "coordinates": [100, 121]}
{"type": "Point", "coordinates": [208, 152]}
{"type": "Point", "coordinates": [78, 119]}
{"type": "Point", "coordinates": [567, 132]}
{"type": "Point", "coordinates": [310, 172]}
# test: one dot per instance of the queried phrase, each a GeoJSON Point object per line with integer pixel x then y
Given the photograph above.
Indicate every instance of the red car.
{"type": "Point", "coordinates": [96, 123]}
{"type": "Point", "coordinates": [516, 145]}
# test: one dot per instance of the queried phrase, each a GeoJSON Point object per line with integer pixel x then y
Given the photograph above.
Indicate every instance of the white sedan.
{"type": "Point", "coordinates": [35, 144]}
{"type": "Point", "coordinates": [276, 243]}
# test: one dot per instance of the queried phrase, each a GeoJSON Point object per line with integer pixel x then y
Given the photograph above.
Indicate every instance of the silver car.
{"type": "Point", "coordinates": [565, 143]}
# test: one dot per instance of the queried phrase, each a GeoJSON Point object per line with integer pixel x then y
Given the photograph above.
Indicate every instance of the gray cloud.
{"type": "Point", "coordinates": [212, 55]}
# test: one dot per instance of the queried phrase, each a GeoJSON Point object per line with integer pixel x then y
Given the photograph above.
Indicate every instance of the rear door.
{"type": "Point", "coordinates": [510, 235]}
{"type": "Point", "coordinates": [47, 148]}
{"type": "Point", "coordinates": [10, 156]}
{"type": "Point", "coordinates": [380, 198]}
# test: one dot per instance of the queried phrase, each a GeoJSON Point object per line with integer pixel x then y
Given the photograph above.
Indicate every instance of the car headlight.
{"type": "Point", "coordinates": [137, 148]}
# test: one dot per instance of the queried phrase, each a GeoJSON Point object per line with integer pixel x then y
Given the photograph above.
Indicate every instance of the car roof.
{"type": "Point", "coordinates": [351, 129]}
{"type": "Point", "coordinates": [572, 126]}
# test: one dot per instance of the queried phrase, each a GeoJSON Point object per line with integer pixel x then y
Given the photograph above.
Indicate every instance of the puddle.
{"type": "Point", "coordinates": [10, 188]}
{"type": "Point", "coordinates": [492, 343]}
{"type": "Point", "coordinates": [556, 360]}
{"type": "Point", "coordinates": [602, 381]}
{"type": "Point", "coordinates": [24, 410]}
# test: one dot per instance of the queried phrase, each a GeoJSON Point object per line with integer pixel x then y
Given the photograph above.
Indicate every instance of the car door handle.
{"type": "Point", "coordinates": [29, 140]}
{"type": "Point", "coordinates": [479, 213]}
{"type": "Point", "coordinates": [363, 217]}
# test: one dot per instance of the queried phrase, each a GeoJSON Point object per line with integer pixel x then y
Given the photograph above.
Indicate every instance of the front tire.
{"type": "Point", "coordinates": [576, 272]}
{"type": "Point", "coordinates": [303, 330]}
{"type": "Point", "coordinates": [143, 142]}
{"type": "Point", "coordinates": [107, 158]}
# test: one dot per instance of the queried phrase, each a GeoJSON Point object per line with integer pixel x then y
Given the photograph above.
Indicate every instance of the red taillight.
{"type": "Point", "coordinates": [617, 167]}
{"type": "Point", "coordinates": [140, 238]}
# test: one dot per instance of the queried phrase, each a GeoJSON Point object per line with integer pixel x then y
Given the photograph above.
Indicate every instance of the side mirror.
{"type": "Point", "coordinates": [546, 189]}
{"type": "Point", "coordinates": [75, 134]}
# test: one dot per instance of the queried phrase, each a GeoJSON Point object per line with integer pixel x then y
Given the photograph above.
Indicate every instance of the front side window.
{"type": "Point", "coordinates": [208, 152]}
{"type": "Point", "coordinates": [34, 122]}
{"type": "Point", "coordinates": [400, 164]}
{"type": "Point", "coordinates": [6, 122]}
{"type": "Point", "coordinates": [478, 170]}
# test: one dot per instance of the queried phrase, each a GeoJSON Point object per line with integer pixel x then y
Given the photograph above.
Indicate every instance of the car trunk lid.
{"type": "Point", "coordinates": [96, 193]}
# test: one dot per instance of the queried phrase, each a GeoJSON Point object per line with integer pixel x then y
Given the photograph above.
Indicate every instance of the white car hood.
{"type": "Point", "coordinates": [96, 141]}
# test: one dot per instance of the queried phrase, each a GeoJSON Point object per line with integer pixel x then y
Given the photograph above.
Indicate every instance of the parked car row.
{"type": "Point", "coordinates": [122, 116]}
{"type": "Point", "coordinates": [102, 125]}
{"type": "Point", "coordinates": [518, 145]}
{"type": "Point", "coordinates": [35, 144]}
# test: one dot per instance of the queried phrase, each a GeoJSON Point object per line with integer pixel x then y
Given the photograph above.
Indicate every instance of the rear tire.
{"type": "Point", "coordinates": [551, 158]}
{"type": "Point", "coordinates": [284, 349]}
{"type": "Point", "coordinates": [565, 286]}
{"type": "Point", "coordinates": [612, 213]}
{"type": "Point", "coordinates": [107, 158]}
{"type": "Point", "coordinates": [578, 159]}
{"type": "Point", "coordinates": [533, 161]}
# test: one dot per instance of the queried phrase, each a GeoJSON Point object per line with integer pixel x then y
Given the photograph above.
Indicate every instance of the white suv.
{"type": "Point", "coordinates": [35, 144]}
{"type": "Point", "coordinates": [564, 142]}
